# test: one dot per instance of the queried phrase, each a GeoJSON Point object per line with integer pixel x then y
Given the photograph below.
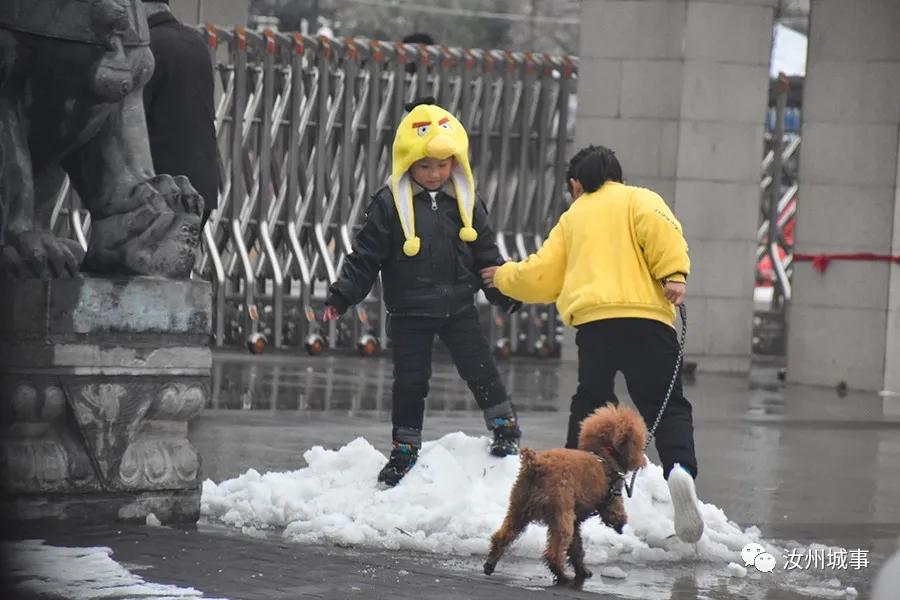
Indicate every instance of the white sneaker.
{"type": "Point", "coordinates": [688, 523]}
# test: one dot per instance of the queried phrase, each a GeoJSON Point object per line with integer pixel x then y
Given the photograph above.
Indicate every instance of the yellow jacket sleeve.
{"type": "Point", "coordinates": [539, 278]}
{"type": "Point", "coordinates": [660, 237]}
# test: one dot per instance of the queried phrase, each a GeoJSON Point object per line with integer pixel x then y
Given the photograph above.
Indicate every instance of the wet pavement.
{"type": "Point", "coordinates": [805, 465]}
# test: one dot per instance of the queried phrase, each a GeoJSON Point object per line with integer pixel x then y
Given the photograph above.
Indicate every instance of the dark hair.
{"type": "Point", "coordinates": [417, 38]}
{"type": "Point", "coordinates": [420, 100]}
{"type": "Point", "coordinates": [593, 166]}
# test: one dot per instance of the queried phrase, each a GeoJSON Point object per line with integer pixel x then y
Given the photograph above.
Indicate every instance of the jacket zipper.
{"type": "Point", "coordinates": [436, 226]}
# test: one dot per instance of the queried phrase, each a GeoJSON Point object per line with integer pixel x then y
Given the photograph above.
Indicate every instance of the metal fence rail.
{"type": "Point", "coordinates": [777, 215]}
{"type": "Point", "coordinates": [778, 207]}
{"type": "Point", "coordinates": [305, 127]}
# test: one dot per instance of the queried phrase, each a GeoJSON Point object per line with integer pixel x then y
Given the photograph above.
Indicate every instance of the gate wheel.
{"type": "Point", "coordinates": [256, 343]}
{"type": "Point", "coordinates": [367, 345]}
{"type": "Point", "coordinates": [315, 344]}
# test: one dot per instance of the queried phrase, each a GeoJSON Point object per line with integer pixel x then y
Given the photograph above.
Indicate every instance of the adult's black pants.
{"type": "Point", "coordinates": [645, 352]}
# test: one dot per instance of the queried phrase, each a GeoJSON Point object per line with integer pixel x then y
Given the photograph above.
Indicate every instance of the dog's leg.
{"type": "Point", "coordinates": [560, 531]}
{"type": "Point", "coordinates": [512, 527]}
{"type": "Point", "coordinates": [614, 514]}
{"type": "Point", "coordinates": [576, 554]}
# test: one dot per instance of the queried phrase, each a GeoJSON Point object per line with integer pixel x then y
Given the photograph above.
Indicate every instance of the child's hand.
{"type": "Point", "coordinates": [675, 292]}
{"type": "Point", "coordinates": [513, 307]}
{"type": "Point", "coordinates": [487, 276]}
{"type": "Point", "coordinates": [331, 314]}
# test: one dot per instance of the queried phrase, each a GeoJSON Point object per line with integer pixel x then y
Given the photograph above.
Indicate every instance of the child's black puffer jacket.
{"type": "Point", "coordinates": [440, 280]}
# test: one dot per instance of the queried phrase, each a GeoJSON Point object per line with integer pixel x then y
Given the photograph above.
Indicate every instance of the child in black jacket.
{"type": "Point", "coordinates": [428, 235]}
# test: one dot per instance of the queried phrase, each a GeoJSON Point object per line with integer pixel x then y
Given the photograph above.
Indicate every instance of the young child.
{"type": "Point", "coordinates": [615, 264]}
{"type": "Point", "coordinates": [428, 235]}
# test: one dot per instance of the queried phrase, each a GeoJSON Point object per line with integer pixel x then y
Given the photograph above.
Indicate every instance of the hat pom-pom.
{"type": "Point", "coordinates": [411, 246]}
{"type": "Point", "coordinates": [468, 234]}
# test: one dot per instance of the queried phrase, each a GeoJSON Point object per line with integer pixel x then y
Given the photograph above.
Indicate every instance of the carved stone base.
{"type": "Point", "coordinates": [98, 380]}
{"type": "Point", "coordinates": [172, 506]}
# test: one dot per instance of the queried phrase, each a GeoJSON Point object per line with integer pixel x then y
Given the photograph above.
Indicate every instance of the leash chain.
{"type": "Point", "coordinates": [682, 310]}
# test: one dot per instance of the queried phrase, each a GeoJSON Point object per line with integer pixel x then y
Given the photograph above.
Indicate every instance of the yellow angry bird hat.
{"type": "Point", "coordinates": [429, 131]}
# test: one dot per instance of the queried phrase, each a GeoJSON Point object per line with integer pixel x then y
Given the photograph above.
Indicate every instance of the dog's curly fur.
{"type": "Point", "coordinates": [562, 488]}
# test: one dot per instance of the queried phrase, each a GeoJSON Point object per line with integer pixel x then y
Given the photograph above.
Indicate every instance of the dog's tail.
{"type": "Point", "coordinates": [527, 468]}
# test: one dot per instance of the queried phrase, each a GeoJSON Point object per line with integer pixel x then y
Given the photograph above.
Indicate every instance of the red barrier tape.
{"type": "Point", "coordinates": [820, 262]}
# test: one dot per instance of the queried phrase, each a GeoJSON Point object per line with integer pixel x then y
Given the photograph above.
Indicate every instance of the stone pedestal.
{"type": "Point", "coordinates": [98, 380]}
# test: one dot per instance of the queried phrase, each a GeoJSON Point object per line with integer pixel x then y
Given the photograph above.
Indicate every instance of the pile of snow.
{"type": "Point", "coordinates": [450, 503]}
{"type": "Point", "coordinates": [80, 573]}
{"type": "Point", "coordinates": [153, 521]}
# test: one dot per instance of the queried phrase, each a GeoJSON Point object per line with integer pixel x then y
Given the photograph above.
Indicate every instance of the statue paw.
{"type": "Point", "coordinates": [178, 194]}
{"type": "Point", "coordinates": [40, 254]}
{"type": "Point", "coordinates": [157, 231]}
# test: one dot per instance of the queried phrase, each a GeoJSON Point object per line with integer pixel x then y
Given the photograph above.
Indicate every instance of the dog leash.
{"type": "Point", "coordinates": [682, 310]}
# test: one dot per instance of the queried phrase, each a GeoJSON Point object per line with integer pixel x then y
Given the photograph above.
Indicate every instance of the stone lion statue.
{"type": "Point", "coordinates": [71, 73]}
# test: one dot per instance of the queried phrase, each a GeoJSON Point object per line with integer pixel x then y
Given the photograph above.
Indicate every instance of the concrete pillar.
{"type": "Point", "coordinates": [679, 89]}
{"type": "Point", "coordinates": [844, 324]}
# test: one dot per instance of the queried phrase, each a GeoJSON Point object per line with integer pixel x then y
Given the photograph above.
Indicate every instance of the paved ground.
{"type": "Point", "coordinates": [802, 464]}
{"type": "Point", "coordinates": [232, 565]}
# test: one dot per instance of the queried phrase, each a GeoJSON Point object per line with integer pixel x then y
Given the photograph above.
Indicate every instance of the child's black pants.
{"type": "Point", "coordinates": [412, 339]}
{"type": "Point", "coordinates": [645, 351]}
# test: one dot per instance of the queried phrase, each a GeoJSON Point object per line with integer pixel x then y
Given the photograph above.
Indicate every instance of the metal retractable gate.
{"type": "Point", "coordinates": [305, 127]}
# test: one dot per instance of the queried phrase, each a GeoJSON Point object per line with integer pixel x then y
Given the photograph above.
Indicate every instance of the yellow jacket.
{"type": "Point", "coordinates": [605, 259]}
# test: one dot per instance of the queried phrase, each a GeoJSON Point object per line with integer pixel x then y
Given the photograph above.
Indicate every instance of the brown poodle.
{"type": "Point", "coordinates": [562, 488]}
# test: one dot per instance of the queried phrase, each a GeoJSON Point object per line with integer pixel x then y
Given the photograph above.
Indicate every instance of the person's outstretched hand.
{"type": "Point", "coordinates": [675, 292]}
{"type": "Point", "coordinates": [331, 314]}
{"type": "Point", "coordinates": [487, 276]}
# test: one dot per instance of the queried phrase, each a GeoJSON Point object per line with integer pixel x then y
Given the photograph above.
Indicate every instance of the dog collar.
{"type": "Point", "coordinates": [616, 479]}
{"type": "Point", "coordinates": [616, 476]}
{"type": "Point", "coordinates": [611, 466]}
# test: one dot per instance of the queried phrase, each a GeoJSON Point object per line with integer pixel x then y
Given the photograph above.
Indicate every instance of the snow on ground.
{"type": "Point", "coordinates": [80, 573]}
{"type": "Point", "coordinates": [451, 502]}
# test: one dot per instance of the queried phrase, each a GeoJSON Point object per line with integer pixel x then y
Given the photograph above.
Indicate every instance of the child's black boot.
{"type": "Point", "coordinates": [506, 436]}
{"type": "Point", "coordinates": [403, 457]}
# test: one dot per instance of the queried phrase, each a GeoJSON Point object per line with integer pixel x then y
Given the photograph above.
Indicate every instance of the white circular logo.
{"type": "Point", "coordinates": [764, 562]}
{"type": "Point", "coordinates": [750, 552]}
